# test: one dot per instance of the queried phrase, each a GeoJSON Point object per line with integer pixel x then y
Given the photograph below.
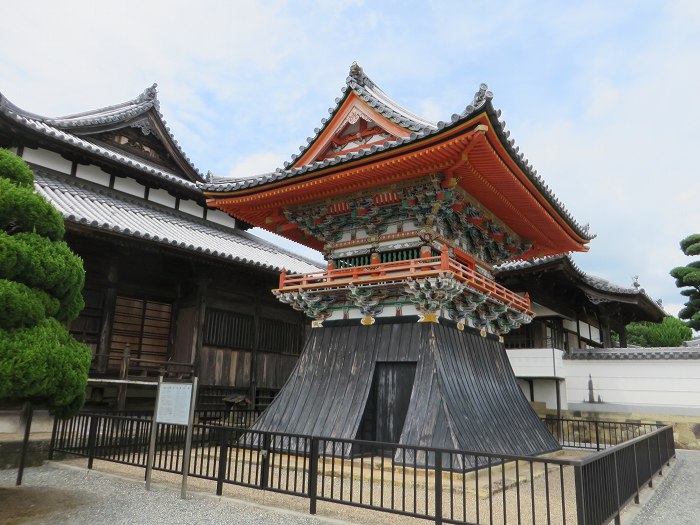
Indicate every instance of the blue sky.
{"type": "Point", "coordinates": [602, 97]}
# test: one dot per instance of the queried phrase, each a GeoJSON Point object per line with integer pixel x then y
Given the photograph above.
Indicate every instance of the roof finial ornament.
{"type": "Point", "coordinates": [356, 70]}
{"type": "Point", "coordinates": [149, 94]}
{"type": "Point", "coordinates": [481, 96]}
{"type": "Point", "coordinates": [358, 75]}
{"type": "Point", "coordinates": [635, 282]}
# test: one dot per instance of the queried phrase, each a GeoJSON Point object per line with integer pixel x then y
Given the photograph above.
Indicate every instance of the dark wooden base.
{"type": "Point", "coordinates": [422, 384]}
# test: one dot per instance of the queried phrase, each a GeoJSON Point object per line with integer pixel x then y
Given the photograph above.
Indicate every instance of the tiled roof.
{"type": "Point", "coordinates": [368, 91]}
{"type": "Point", "coordinates": [597, 283]}
{"type": "Point", "coordinates": [60, 129]}
{"type": "Point", "coordinates": [636, 353]}
{"type": "Point", "coordinates": [84, 203]}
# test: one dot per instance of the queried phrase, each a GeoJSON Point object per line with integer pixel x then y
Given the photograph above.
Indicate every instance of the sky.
{"type": "Point", "coordinates": [602, 97]}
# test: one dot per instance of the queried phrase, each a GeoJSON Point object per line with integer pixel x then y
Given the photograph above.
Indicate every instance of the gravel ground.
{"type": "Point", "coordinates": [676, 500]}
{"type": "Point", "coordinates": [96, 498]}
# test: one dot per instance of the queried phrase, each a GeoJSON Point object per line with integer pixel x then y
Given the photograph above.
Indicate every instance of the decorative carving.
{"type": "Point", "coordinates": [368, 300]}
{"type": "Point", "coordinates": [430, 295]}
{"type": "Point", "coordinates": [144, 125]}
{"type": "Point", "coordinates": [314, 305]}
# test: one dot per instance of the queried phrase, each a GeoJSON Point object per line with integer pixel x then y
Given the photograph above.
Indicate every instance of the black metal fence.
{"type": "Point", "coordinates": [445, 486]}
{"type": "Point", "coordinates": [594, 434]}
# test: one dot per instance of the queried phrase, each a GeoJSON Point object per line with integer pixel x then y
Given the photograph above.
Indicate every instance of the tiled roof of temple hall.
{"type": "Point", "coordinates": [84, 203]}
{"type": "Point", "coordinates": [71, 131]}
{"type": "Point", "coordinates": [358, 83]}
{"type": "Point", "coordinates": [594, 282]}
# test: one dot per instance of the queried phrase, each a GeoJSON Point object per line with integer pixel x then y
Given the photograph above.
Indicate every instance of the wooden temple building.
{"type": "Point", "coordinates": [574, 310]}
{"type": "Point", "coordinates": [412, 216]}
{"type": "Point", "coordinates": [172, 286]}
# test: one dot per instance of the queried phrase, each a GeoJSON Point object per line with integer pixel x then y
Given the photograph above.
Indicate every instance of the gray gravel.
{"type": "Point", "coordinates": [676, 501]}
{"type": "Point", "coordinates": [116, 500]}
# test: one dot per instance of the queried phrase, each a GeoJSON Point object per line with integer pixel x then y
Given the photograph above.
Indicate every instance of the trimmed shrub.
{"type": "Point", "coordinates": [15, 169]}
{"type": "Point", "coordinates": [41, 282]}
{"type": "Point", "coordinates": [22, 210]}
{"type": "Point", "coordinates": [44, 363]}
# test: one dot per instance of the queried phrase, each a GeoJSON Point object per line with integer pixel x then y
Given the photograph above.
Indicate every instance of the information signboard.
{"type": "Point", "coordinates": [174, 403]}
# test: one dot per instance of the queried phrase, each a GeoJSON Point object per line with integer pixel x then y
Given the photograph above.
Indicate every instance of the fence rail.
{"type": "Point", "coordinates": [445, 486]}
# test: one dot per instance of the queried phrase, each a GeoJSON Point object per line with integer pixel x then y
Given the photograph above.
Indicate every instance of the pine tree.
{"type": "Point", "coordinates": [41, 282]}
{"type": "Point", "coordinates": [688, 277]}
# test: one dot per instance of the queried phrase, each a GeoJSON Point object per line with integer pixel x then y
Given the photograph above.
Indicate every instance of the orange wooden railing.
{"type": "Point", "coordinates": [415, 268]}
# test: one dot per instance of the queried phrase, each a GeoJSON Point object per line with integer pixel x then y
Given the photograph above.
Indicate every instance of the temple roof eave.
{"type": "Point", "coordinates": [481, 105]}
{"type": "Point", "coordinates": [417, 158]}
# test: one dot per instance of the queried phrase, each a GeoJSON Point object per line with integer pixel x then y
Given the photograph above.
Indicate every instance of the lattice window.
{"type": "Point", "coordinates": [280, 336]}
{"type": "Point", "coordinates": [228, 329]}
{"type": "Point", "coordinates": [145, 326]}
{"type": "Point", "coordinates": [86, 327]}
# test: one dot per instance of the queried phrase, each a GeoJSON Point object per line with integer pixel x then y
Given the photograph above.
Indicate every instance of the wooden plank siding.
{"type": "Point", "coordinates": [464, 393]}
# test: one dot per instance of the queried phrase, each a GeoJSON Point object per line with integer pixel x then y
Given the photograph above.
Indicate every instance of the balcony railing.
{"type": "Point", "coordinates": [411, 268]}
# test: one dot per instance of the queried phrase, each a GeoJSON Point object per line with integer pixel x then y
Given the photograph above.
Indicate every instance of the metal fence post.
{"type": "Point", "coordinates": [92, 438]}
{"type": "Point", "coordinates": [54, 431]}
{"type": "Point", "coordinates": [580, 496]}
{"type": "Point", "coordinates": [651, 468]}
{"type": "Point", "coordinates": [617, 489]}
{"type": "Point", "coordinates": [438, 488]}
{"type": "Point", "coordinates": [636, 474]}
{"type": "Point", "coordinates": [265, 463]}
{"type": "Point", "coordinates": [313, 475]}
{"type": "Point", "coordinates": [223, 460]}
{"type": "Point", "coordinates": [658, 451]}
{"type": "Point", "coordinates": [597, 437]}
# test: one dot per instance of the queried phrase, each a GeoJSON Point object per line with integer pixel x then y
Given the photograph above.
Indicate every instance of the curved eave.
{"type": "Point", "coordinates": [490, 174]}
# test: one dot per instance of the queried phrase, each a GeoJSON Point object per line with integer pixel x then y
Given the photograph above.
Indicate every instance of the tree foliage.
{"type": "Point", "coordinates": [41, 282]}
{"type": "Point", "coordinates": [688, 278]}
{"type": "Point", "coordinates": [670, 332]}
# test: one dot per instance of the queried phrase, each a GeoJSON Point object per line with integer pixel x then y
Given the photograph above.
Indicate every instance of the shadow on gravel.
{"type": "Point", "coordinates": [19, 505]}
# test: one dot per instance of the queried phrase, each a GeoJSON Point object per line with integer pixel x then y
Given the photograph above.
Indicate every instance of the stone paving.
{"type": "Point", "coordinates": [676, 499]}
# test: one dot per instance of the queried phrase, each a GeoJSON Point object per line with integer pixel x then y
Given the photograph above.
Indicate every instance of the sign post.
{"type": "Point", "coordinates": [175, 403]}
{"type": "Point", "coordinates": [188, 440]}
{"type": "Point", "coordinates": [152, 445]}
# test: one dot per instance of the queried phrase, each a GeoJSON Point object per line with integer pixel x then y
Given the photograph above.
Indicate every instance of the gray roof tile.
{"type": "Point", "coordinates": [636, 354]}
{"type": "Point", "coordinates": [81, 202]}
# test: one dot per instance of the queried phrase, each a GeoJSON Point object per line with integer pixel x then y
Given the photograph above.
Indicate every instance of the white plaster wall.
{"type": "Point", "coordinates": [663, 386]}
{"type": "Point", "coordinates": [161, 197]}
{"type": "Point", "coordinates": [129, 186]}
{"type": "Point", "coordinates": [536, 362]}
{"type": "Point", "coordinates": [219, 217]}
{"type": "Point", "coordinates": [48, 159]}
{"type": "Point", "coordinates": [93, 174]}
{"type": "Point", "coordinates": [191, 208]}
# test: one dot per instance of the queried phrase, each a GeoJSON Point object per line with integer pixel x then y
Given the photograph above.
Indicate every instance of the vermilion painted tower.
{"type": "Point", "coordinates": [411, 216]}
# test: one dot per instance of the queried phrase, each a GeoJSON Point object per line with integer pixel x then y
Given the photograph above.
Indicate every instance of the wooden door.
{"type": "Point", "coordinates": [393, 387]}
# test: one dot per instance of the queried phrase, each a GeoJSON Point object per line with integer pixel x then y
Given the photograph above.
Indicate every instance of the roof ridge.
{"type": "Point", "coordinates": [359, 83]}
{"type": "Point", "coordinates": [146, 100]}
